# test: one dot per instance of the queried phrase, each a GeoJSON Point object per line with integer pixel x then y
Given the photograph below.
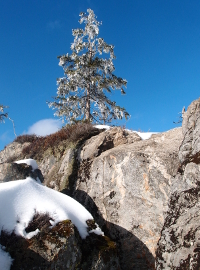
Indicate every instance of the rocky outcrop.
{"type": "Point", "coordinates": [61, 172]}
{"type": "Point", "coordinates": [179, 245]}
{"type": "Point", "coordinates": [144, 194]}
{"type": "Point", "coordinates": [60, 247]}
{"type": "Point", "coordinates": [190, 147]}
{"type": "Point", "coordinates": [14, 171]}
{"type": "Point", "coordinates": [105, 141]}
{"type": "Point", "coordinates": [11, 152]}
{"type": "Point", "coordinates": [129, 186]}
{"type": "Point", "coordinates": [124, 181]}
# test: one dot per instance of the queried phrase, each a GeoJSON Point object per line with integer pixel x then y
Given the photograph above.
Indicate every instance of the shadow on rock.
{"type": "Point", "coordinates": [133, 253]}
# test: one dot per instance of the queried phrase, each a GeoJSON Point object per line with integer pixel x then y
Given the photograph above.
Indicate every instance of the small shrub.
{"type": "Point", "coordinates": [72, 133]}
{"type": "Point", "coordinates": [38, 222]}
{"type": "Point", "coordinates": [80, 131]}
{"type": "Point", "coordinates": [26, 138]}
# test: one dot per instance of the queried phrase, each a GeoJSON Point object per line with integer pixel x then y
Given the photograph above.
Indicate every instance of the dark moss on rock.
{"type": "Point", "coordinates": [60, 247]}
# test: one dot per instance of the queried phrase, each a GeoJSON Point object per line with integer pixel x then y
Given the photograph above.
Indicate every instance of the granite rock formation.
{"type": "Point", "coordinates": [179, 245]}
{"type": "Point", "coordinates": [124, 181]}
{"type": "Point", "coordinates": [130, 185]}
{"type": "Point", "coordinates": [14, 171]}
{"type": "Point", "coordinates": [190, 147]}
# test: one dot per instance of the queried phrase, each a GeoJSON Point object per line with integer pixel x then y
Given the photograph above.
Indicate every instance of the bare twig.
{"type": "Point", "coordinates": [13, 126]}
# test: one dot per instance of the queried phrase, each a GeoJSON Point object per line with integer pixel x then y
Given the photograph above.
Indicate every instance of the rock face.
{"type": "Point", "coordinates": [11, 152]}
{"type": "Point", "coordinates": [190, 147]}
{"type": "Point", "coordinates": [130, 186]}
{"type": "Point", "coordinates": [60, 247]}
{"type": "Point", "coordinates": [179, 245]}
{"type": "Point", "coordinates": [144, 194]}
{"type": "Point", "coordinates": [124, 181]}
{"type": "Point", "coordinates": [14, 171]}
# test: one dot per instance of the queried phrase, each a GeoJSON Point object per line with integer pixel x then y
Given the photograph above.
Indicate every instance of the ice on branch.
{"type": "Point", "coordinates": [88, 77]}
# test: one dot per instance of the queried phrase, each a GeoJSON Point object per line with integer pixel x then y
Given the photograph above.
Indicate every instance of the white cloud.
{"type": "Point", "coordinates": [45, 127]}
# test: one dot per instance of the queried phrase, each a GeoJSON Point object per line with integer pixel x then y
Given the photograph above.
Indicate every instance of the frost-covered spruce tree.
{"type": "Point", "coordinates": [3, 115]}
{"type": "Point", "coordinates": [81, 93]}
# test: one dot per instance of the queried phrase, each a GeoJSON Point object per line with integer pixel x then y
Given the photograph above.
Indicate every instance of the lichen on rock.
{"type": "Point", "coordinates": [60, 247]}
{"type": "Point", "coordinates": [179, 244]}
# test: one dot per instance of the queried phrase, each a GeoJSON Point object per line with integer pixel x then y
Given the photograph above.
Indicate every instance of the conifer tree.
{"type": "Point", "coordinates": [3, 115]}
{"type": "Point", "coordinates": [81, 93]}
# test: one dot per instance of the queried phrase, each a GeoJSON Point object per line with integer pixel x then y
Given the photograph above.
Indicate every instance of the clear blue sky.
{"type": "Point", "coordinates": [157, 45]}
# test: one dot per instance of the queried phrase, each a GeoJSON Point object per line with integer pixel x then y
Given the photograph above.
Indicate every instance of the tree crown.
{"type": "Point", "coordinates": [88, 76]}
{"type": "Point", "coordinates": [3, 115]}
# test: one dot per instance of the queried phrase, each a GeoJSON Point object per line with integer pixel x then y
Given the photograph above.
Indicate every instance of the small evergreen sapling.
{"type": "Point", "coordinates": [3, 115]}
{"type": "Point", "coordinates": [88, 76]}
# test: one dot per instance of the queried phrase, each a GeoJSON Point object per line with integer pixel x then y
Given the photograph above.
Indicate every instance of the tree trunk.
{"type": "Point", "coordinates": [87, 115]}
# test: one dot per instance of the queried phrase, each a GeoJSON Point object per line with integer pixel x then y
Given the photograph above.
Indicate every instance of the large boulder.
{"type": "Point", "coordinates": [13, 171]}
{"type": "Point", "coordinates": [11, 152]}
{"type": "Point", "coordinates": [105, 141]}
{"type": "Point", "coordinates": [9, 170]}
{"type": "Point", "coordinates": [127, 187]}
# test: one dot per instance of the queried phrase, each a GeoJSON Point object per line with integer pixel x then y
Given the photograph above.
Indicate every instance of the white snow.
{"type": "Point", "coordinates": [22, 198]}
{"type": "Point", "coordinates": [143, 135]}
{"type": "Point", "coordinates": [30, 162]}
{"type": "Point", "coordinates": [102, 127]}
{"type": "Point", "coordinates": [5, 259]}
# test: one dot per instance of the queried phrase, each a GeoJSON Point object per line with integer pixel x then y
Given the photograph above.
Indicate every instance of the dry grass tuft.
{"type": "Point", "coordinates": [39, 221]}
{"type": "Point", "coordinates": [25, 138]}
{"type": "Point", "coordinates": [71, 133]}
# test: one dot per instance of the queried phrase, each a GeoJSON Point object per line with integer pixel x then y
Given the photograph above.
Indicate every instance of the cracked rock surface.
{"type": "Point", "coordinates": [124, 181]}
{"type": "Point", "coordinates": [179, 245]}
{"type": "Point", "coordinates": [126, 188]}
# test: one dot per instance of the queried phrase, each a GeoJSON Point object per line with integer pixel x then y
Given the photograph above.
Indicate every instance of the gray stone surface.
{"type": "Point", "coordinates": [105, 141]}
{"type": "Point", "coordinates": [190, 147]}
{"type": "Point", "coordinates": [130, 187]}
{"type": "Point", "coordinates": [11, 152]}
{"type": "Point", "coordinates": [57, 171]}
{"type": "Point", "coordinates": [179, 245]}
{"type": "Point", "coordinates": [144, 194]}
{"type": "Point", "coordinates": [125, 182]}
{"type": "Point", "coordinates": [14, 171]}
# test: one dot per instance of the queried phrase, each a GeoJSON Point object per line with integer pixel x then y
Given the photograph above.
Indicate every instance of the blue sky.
{"type": "Point", "coordinates": [157, 45]}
